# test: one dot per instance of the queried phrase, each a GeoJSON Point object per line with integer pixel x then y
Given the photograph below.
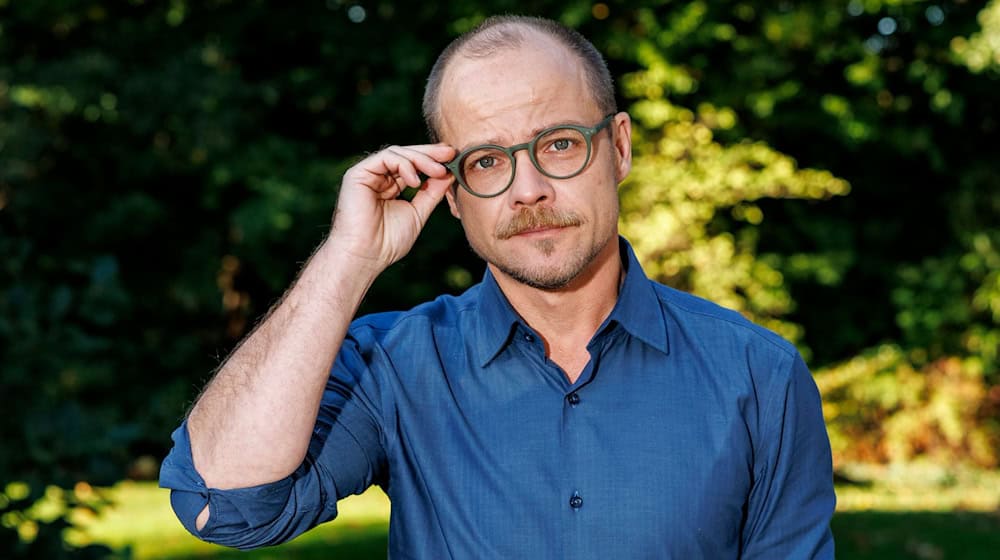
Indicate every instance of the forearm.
{"type": "Point", "coordinates": [253, 423]}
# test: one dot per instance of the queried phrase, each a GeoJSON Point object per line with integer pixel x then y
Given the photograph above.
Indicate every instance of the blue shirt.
{"type": "Point", "coordinates": [692, 433]}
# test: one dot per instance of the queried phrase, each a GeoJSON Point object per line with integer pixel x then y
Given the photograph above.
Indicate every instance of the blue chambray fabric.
{"type": "Point", "coordinates": [692, 433]}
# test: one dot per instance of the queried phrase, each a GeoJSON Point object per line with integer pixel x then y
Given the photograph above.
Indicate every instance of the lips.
{"type": "Point", "coordinates": [534, 220]}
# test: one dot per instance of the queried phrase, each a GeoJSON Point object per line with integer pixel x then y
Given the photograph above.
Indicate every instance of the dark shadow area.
{"type": "Point", "coordinates": [923, 535]}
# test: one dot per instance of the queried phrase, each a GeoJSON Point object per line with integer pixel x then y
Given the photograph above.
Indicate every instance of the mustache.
{"type": "Point", "coordinates": [535, 218]}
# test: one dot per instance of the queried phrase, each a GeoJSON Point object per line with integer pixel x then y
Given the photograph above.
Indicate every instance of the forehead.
{"type": "Point", "coordinates": [504, 96]}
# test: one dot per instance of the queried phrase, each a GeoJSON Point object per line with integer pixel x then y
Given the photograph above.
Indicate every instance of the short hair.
{"type": "Point", "coordinates": [498, 33]}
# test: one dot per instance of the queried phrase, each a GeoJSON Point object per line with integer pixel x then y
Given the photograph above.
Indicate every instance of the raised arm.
{"type": "Point", "coordinates": [253, 422]}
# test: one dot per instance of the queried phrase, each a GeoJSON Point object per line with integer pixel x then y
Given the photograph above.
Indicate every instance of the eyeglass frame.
{"type": "Point", "coordinates": [587, 132]}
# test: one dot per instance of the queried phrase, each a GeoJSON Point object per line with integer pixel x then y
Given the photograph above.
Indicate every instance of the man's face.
{"type": "Point", "coordinates": [543, 232]}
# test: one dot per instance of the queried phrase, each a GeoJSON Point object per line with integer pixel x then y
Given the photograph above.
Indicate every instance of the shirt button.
{"type": "Point", "coordinates": [573, 399]}
{"type": "Point", "coordinates": [576, 502]}
{"type": "Point", "coordinates": [528, 337]}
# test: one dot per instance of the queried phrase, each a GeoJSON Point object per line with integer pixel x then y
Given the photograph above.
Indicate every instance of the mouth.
{"type": "Point", "coordinates": [539, 229]}
{"type": "Point", "coordinates": [537, 222]}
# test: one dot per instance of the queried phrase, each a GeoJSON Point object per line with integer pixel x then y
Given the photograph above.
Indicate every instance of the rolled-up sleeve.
{"type": "Point", "coordinates": [345, 456]}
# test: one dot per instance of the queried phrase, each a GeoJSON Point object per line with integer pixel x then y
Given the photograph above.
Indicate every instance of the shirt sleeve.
{"type": "Point", "coordinates": [792, 499]}
{"type": "Point", "coordinates": [346, 455]}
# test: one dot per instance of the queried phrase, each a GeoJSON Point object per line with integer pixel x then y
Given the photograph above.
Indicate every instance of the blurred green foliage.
{"type": "Point", "coordinates": [892, 290]}
{"type": "Point", "coordinates": [165, 167]}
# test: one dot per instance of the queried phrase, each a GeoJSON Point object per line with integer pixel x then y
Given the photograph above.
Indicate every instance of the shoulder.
{"type": "Point", "coordinates": [738, 356]}
{"type": "Point", "coordinates": [716, 320]}
{"type": "Point", "coordinates": [443, 313]}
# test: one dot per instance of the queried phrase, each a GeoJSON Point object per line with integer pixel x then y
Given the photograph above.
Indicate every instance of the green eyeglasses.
{"type": "Point", "coordinates": [558, 152]}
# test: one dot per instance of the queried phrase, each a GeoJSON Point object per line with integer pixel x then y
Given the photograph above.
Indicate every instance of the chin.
{"type": "Point", "coordinates": [548, 283]}
{"type": "Point", "coordinates": [551, 272]}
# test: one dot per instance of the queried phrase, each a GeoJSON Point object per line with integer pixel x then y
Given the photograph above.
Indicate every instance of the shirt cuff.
{"type": "Point", "coordinates": [232, 512]}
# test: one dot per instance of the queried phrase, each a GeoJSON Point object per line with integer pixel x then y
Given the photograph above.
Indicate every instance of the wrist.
{"type": "Point", "coordinates": [338, 276]}
{"type": "Point", "coordinates": [339, 254]}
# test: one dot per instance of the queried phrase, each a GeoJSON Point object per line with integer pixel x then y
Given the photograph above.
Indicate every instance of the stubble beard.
{"type": "Point", "coordinates": [546, 277]}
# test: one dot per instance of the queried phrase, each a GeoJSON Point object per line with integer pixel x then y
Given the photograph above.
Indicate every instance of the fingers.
{"type": "Point", "coordinates": [429, 197]}
{"type": "Point", "coordinates": [434, 179]}
{"type": "Point", "coordinates": [371, 216]}
{"type": "Point", "coordinates": [392, 169]}
{"type": "Point", "coordinates": [426, 159]}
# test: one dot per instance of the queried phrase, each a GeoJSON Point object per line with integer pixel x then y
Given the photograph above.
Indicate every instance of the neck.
{"type": "Point", "coordinates": [567, 319]}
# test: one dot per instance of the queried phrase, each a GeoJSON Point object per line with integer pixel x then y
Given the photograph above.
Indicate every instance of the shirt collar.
{"type": "Point", "coordinates": [497, 320]}
{"type": "Point", "coordinates": [637, 310]}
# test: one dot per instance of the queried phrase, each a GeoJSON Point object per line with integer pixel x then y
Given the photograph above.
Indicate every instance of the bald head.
{"type": "Point", "coordinates": [503, 33]}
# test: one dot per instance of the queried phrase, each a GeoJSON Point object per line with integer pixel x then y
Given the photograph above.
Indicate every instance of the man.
{"type": "Point", "coordinates": [566, 407]}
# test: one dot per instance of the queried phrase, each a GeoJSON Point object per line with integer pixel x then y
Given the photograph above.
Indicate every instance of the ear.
{"type": "Point", "coordinates": [452, 195]}
{"type": "Point", "coordinates": [622, 127]}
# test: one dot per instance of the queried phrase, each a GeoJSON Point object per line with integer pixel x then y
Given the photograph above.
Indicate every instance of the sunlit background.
{"type": "Point", "coordinates": [830, 169]}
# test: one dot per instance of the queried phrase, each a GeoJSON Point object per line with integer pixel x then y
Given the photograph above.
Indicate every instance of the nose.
{"type": "Point", "coordinates": [530, 186]}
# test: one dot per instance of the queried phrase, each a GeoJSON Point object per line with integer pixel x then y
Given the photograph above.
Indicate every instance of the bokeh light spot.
{"type": "Point", "coordinates": [356, 14]}
{"type": "Point", "coordinates": [887, 26]}
{"type": "Point", "coordinates": [934, 15]}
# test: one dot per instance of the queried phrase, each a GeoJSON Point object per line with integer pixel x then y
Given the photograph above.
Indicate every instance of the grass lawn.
{"type": "Point", "coordinates": [142, 520]}
{"type": "Point", "coordinates": [920, 535]}
{"type": "Point", "coordinates": [913, 512]}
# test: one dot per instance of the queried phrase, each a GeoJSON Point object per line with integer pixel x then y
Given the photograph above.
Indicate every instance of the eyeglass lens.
{"type": "Point", "coordinates": [560, 153]}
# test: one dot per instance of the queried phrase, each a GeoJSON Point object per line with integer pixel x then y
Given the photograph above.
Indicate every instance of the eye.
{"type": "Point", "coordinates": [562, 144]}
{"type": "Point", "coordinates": [560, 141]}
{"type": "Point", "coordinates": [484, 162]}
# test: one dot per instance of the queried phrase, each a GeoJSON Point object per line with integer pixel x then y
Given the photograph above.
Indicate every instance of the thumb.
{"type": "Point", "coordinates": [429, 196]}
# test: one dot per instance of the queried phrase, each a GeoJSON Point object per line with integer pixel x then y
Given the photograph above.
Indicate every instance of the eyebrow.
{"type": "Point", "coordinates": [495, 141]}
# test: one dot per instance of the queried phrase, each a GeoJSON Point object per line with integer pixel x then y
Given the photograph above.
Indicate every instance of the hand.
{"type": "Point", "coordinates": [371, 222]}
